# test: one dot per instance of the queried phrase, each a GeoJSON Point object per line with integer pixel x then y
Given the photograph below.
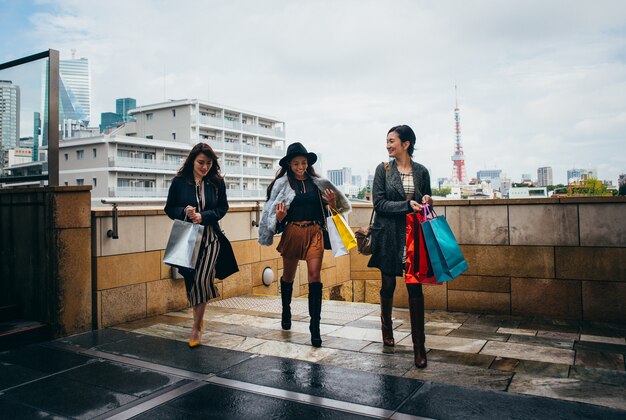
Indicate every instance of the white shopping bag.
{"type": "Point", "coordinates": [336, 243]}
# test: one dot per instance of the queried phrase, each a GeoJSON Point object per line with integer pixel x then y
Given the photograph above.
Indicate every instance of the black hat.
{"type": "Point", "coordinates": [297, 149]}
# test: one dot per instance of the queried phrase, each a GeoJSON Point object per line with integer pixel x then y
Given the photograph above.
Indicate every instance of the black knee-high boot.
{"type": "Point", "coordinates": [315, 311]}
{"type": "Point", "coordinates": [286, 290]}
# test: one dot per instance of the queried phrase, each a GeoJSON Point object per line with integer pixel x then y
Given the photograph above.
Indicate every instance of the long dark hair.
{"type": "Point", "coordinates": [290, 176]}
{"type": "Point", "coordinates": [405, 133]}
{"type": "Point", "coordinates": [186, 171]}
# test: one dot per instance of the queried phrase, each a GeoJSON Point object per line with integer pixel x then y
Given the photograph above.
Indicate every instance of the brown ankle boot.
{"type": "Point", "coordinates": [386, 324]}
{"type": "Point", "coordinates": [416, 311]}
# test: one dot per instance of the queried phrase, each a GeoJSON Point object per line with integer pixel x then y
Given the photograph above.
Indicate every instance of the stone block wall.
{"type": "Point", "coordinates": [45, 269]}
{"type": "Point", "coordinates": [131, 282]}
{"type": "Point", "coordinates": [558, 258]}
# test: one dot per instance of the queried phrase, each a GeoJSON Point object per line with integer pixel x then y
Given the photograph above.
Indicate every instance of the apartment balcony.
{"type": "Point", "coordinates": [132, 163]}
{"type": "Point", "coordinates": [137, 192]}
{"type": "Point", "coordinates": [221, 145]}
{"type": "Point", "coordinates": [236, 125]}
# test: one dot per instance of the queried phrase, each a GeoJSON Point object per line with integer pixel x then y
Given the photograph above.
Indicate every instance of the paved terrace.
{"type": "Point", "coordinates": [479, 366]}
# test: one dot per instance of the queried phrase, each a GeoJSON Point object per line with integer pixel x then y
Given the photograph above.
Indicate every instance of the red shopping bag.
{"type": "Point", "coordinates": [418, 268]}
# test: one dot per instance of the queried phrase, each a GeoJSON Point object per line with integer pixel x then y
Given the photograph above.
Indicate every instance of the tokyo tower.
{"type": "Point", "coordinates": [459, 175]}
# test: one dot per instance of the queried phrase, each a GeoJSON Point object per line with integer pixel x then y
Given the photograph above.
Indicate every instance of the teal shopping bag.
{"type": "Point", "coordinates": [444, 252]}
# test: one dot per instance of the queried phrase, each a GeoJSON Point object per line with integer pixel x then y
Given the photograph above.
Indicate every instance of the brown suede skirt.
{"type": "Point", "coordinates": [301, 241]}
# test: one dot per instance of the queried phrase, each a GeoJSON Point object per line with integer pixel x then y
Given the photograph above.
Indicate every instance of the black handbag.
{"type": "Point", "coordinates": [364, 237]}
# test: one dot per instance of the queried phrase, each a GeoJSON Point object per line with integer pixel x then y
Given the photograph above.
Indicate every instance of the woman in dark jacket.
{"type": "Point", "coordinates": [198, 194]}
{"type": "Point", "coordinates": [398, 189]}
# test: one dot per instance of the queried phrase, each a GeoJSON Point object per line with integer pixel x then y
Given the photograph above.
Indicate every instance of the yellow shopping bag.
{"type": "Point", "coordinates": [346, 234]}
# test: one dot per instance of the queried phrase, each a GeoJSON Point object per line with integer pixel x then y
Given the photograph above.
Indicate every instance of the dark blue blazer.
{"type": "Point", "coordinates": [182, 193]}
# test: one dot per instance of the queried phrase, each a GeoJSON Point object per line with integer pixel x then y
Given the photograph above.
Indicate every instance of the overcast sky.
{"type": "Point", "coordinates": [541, 83]}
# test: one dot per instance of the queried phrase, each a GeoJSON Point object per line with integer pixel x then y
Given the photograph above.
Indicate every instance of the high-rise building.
{"type": "Point", "coordinates": [340, 177]}
{"type": "Point", "coordinates": [113, 119]}
{"type": "Point", "coordinates": [123, 105]}
{"type": "Point", "coordinates": [544, 176]}
{"type": "Point", "coordinates": [9, 118]}
{"type": "Point", "coordinates": [36, 134]}
{"type": "Point", "coordinates": [74, 97]}
{"type": "Point", "coordinates": [621, 180]}
{"type": "Point", "coordinates": [575, 175]}
{"type": "Point", "coordinates": [491, 175]}
{"type": "Point", "coordinates": [356, 180]}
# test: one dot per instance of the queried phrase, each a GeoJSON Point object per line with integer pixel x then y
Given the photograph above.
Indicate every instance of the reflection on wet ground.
{"type": "Point", "coordinates": [480, 366]}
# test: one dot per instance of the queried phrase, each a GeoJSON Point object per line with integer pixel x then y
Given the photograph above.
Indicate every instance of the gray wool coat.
{"type": "Point", "coordinates": [283, 193]}
{"type": "Point", "coordinates": [391, 206]}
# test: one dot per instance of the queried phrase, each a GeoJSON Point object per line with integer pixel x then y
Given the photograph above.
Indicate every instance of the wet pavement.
{"type": "Point", "coordinates": [248, 368]}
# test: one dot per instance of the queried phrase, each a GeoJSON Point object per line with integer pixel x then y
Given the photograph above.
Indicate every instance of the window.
{"type": "Point", "coordinates": [80, 154]}
{"type": "Point", "coordinates": [149, 137]}
{"type": "Point", "coordinates": [94, 182]}
{"type": "Point", "coordinates": [149, 116]}
{"type": "Point", "coordinates": [173, 113]}
{"type": "Point", "coordinates": [66, 157]}
{"type": "Point", "coordinates": [95, 152]}
{"type": "Point", "coordinates": [80, 181]}
{"type": "Point", "coordinates": [173, 136]}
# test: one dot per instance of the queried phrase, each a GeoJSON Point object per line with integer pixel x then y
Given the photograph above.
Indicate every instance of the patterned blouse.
{"type": "Point", "coordinates": [407, 183]}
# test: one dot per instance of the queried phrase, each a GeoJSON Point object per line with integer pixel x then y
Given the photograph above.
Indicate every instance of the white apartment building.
{"type": "Point", "coordinates": [138, 160]}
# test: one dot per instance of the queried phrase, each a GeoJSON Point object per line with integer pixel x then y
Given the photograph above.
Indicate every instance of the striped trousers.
{"type": "Point", "coordinates": [202, 288]}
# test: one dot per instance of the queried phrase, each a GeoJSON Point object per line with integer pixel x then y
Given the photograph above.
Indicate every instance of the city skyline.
{"type": "Point", "coordinates": [534, 90]}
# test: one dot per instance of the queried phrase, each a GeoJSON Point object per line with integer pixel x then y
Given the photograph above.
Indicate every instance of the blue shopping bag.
{"type": "Point", "coordinates": [444, 252]}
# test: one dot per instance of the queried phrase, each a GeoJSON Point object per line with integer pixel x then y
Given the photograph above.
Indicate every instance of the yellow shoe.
{"type": "Point", "coordinates": [193, 344]}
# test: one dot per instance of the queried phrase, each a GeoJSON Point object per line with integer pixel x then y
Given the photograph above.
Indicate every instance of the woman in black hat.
{"type": "Point", "coordinates": [295, 206]}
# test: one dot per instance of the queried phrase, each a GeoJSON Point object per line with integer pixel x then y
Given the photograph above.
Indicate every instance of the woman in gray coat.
{"type": "Point", "coordinates": [399, 188]}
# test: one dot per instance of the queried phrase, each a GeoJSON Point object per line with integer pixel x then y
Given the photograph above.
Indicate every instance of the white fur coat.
{"type": "Point", "coordinates": [283, 193]}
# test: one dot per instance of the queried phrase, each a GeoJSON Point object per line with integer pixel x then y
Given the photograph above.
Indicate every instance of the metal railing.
{"type": "Point", "coordinates": [137, 192]}
{"type": "Point", "coordinates": [236, 125]}
{"type": "Point", "coordinates": [125, 162]}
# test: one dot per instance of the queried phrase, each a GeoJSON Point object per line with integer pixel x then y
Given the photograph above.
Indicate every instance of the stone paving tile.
{"type": "Point", "coordinates": [604, 376]}
{"type": "Point", "coordinates": [504, 363]}
{"type": "Point", "coordinates": [252, 321]}
{"type": "Point", "coordinates": [370, 324]}
{"type": "Point", "coordinates": [364, 334]}
{"type": "Point", "coordinates": [558, 335]}
{"type": "Point", "coordinates": [344, 343]}
{"type": "Point", "coordinates": [385, 364]}
{"type": "Point", "coordinates": [479, 335]}
{"type": "Point", "coordinates": [603, 347]}
{"type": "Point", "coordinates": [443, 316]}
{"type": "Point", "coordinates": [547, 326]}
{"type": "Point", "coordinates": [243, 330]}
{"type": "Point", "coordinates": [462, 375]}
{"type": "Point", "coordinates": [303, 327]}
{"type": "Point", "coordinates": [570, 389]}
{"type": "Point", "coordinates": [529, 352]}
{"type": "Point", "coordinates": [542, 341]}
{"type": "Point", "coordinates": [459, 344]}
{"type": "Point", "coordinates": [603, 329]}
{"type": "Point", "coordinates": [602, 339]}
{"type": "Point", "coordinates": [479, 327]}
{"type": "Point", "coordinates": [397, 350]}
{"type": "Point", "coordinates": [540, 369]}
{"type": "Point", "coordinates": [287, 336]}
{"type": "Point", "coordinates": [447, 325]}
{"type": "Point", "coordinates": [292, 351]}
{"type": "Point", "coordinates": [209, 338]}
{"type": "Point", "coordinates": [458, 358]}
{"type": "Point", "coordinates": [429, 329]}
{"type": "Point", "coordinates": [516, 331]}
{"type": "Point", "coordinates": [598, 359]}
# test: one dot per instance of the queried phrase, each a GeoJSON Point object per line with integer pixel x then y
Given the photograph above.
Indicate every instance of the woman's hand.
{"type": "Point", "coordinates": [416, 206]}
{"type": "Point", "coordinates": [281, 212]}
{"type": "Point", "coordinates": [329, 196]}
{"type": "Point", "coordinates": [427, 199]}
{"type": "Point", "coordinates": [189, 212]}
{"type": "Point", "coordinates": [196, 218]}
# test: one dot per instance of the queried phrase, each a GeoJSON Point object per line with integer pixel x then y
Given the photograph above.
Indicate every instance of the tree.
{"type": "Point", "coordinates": [588, 187]}
{"type": "Point", "coordinates": [442, 192]}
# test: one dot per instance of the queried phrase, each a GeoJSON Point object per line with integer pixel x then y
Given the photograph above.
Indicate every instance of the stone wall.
{"type": "Point", "coordinates": [131, 282]}
{"type": "Point", "coordinates": [45, 269]}
{"type": "Point", "coordinates": [558, 258]}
